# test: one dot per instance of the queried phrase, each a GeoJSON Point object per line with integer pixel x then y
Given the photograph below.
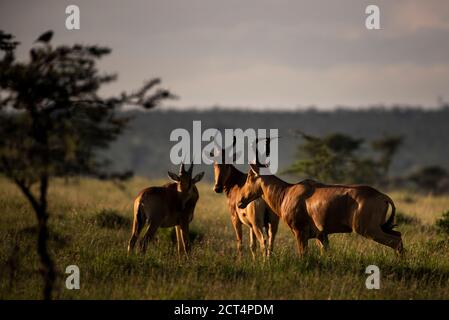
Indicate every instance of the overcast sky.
{"type": "Point", "coordinates": [258, 53]}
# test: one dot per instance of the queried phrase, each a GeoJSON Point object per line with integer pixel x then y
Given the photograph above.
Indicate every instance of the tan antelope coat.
{"type": "Point", "coordinates": [257, 216]}
{"type": "Point", "coordinates": [170, 205]}
{"type": "Point", "coordinates": [315, 210]}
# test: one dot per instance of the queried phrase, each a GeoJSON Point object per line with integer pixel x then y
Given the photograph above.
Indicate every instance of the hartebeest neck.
{"type": "Point", "coordinates": [273, 190]}
{"type": "Point", "coordinates": [236, 178]}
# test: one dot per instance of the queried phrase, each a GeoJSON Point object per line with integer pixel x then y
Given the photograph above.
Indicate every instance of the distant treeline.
{"type": "Point", "coordinates": [145, 146]}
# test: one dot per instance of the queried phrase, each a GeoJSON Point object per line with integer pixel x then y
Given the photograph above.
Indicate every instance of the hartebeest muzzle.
{"type": "Point", "coordinates": [218, 189]}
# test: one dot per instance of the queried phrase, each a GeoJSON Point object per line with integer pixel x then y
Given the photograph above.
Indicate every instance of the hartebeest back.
{"type": "Point", "coordinates": [171, 205]}
{"type": "Point", "coordinates": [315, 210]}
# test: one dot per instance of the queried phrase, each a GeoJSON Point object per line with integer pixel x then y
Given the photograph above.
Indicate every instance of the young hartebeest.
{"type": "Point", "coordinates": [315, 210]}
{"type": "Point", "coordinates": [171, 205]}
{"type": "Point", "coordinates": [257, 216]}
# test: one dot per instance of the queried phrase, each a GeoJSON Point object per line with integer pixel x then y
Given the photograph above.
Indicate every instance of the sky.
{"type": "Point", "coordinates": [258, 53]}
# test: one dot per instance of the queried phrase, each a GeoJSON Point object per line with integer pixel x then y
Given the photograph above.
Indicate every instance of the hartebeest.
{"type": "Point", "coordinates": [170, 205]}
{"type": "Point", "coordinates": [257, 216]}
{"type": "Point", "coordinates": [315, 210]}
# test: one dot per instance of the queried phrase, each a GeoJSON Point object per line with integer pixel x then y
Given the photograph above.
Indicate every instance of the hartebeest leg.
{"type": "Point", "coordinates": [301, 242]}
{"type": "Point", "coordinates": [252, 243]}
{"type": "Point", "coordinates": [178, 239]}
{"type": "Point", "coordinates": [148, 235]}
{"type": "Point", "coordinates": [137, 228]}
{"type": "Point", "coordinates": [260, 237]}
{"type": "Point", "coordinates": [238, 233]}
{"type": "Point", "coordinates": [272, 230]}
{"type": "Point", "coordinates": [323, 243]}
{"type": "Point", "coordinates": [386, 239]}
{"type": "Point", "coordinates": [185, 238]}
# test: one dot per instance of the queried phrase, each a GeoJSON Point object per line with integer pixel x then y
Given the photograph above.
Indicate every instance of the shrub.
{"type": "Point", "coordinates": [111, 219]}
{"type": "Point", "coordinates": [442, 224]}
{"type": "Point", "coordinates": [402, 218]}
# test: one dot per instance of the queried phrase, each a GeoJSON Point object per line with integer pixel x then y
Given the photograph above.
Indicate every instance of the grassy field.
{"type": "Point", "coordinates": [91, 222]}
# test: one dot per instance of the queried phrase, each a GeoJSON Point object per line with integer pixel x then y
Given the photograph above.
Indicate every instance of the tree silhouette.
{"type": "Point", "coordinates": [53, 122]}
{"type": "Point", "coordinates": [332, 158]}
{"type": "Point", "coordinates": [339, 158]}
{"type": "Point", "coordinates": [387, 146]}
{"type": "Point", "coordinates": [430, 178]}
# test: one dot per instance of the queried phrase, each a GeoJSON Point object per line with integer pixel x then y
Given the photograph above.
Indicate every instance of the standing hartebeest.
{"type": "Point", "coordinates": [315, 210]}
{"type": "Point", "coordinates": [171, 205]}
{"type": "Point", "coordinates": [257, 215]}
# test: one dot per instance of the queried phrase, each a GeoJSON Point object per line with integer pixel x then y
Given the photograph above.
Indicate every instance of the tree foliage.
{"type": "Point", "coordinates": [387, 146]}
{"type": "Point", "coordinates": [337, 158]}
{"type": "Point", "coordinates": [433, 179]}
{"type": "Point", "coordinates": [53, 120]}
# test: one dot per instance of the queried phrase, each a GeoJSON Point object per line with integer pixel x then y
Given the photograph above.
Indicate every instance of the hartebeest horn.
{"type": "Point", "coordinates": [257, 152]}
{"type": "Point", "coordinates": [212, 152]}
{"type": "Point", "coordinates": [182, 168]}
{"type": "Point", "coordinates": [234, 154]}
{"type": "Point", "coordinates": [191, 169]}
{"type": "Point", "coordinates": [267, 149]}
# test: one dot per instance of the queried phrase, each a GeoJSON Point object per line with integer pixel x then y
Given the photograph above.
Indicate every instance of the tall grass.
{"type": "Point", "coordinates": [90, 225]}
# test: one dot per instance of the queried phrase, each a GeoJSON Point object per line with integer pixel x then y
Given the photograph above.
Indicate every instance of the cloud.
{"type": "Point", "coordinates": [412, 16]}
{"type": "Point", "coordinates": [258, 52]}
{"type": "Point", "coordinates": [282, 86]}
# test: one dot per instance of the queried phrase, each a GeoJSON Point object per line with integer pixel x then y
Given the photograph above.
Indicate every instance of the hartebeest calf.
{"type": "Point", "coordinates": [171, 205]}
{"type": "Point", "coordinates": [257, 216]}
{"type": "Point", "coordinates": [315, 210]}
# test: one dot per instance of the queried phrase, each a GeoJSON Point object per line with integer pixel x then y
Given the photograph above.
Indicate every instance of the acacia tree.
{"type": "Point", "coordinates": [330, 158]}
{"type": "Point", "coordinates": [387, 146]}
{"type": "Point", "coordinates": [53, 122]}
{"type": "Point", "coordinates": [431, 178]}
{"type": "Point", "coordinates": [339, 158]}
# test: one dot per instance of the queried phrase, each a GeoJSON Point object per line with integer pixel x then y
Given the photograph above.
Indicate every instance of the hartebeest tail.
{"type": "Point", "coordinates": [389, 225]}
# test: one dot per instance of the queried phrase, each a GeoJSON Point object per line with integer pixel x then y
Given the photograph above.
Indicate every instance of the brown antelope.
{"type": "Point", "coordinates": [315, 210]}
{"type": "Point", "coordinates": [170, 205]}
{"type": "Point", "coordinates": [256, 216]}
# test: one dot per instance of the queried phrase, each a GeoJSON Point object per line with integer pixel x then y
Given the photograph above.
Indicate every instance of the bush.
{"type": "Point", "coordinates": [442, 224]}
{"type": "Point", "coordinates": [402, 219]}
{"type": "Point", "coordinates": [431, 178]}
{"type": "Point", "coordinates": [111, 219]}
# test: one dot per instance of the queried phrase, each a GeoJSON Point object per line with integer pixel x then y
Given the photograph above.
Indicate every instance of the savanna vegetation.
{"type": "Point", "coordinates": [53, 122]}
{"type": "Point", "coordinates": [91, 224]}
{"type": "Point", "coordinates": [425, 137]}
{"type": "Point", "coordinates": [61, 204]}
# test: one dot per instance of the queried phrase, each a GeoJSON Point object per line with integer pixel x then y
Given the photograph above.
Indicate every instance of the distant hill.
{"type": "Point", "coordinates": [145, 146]}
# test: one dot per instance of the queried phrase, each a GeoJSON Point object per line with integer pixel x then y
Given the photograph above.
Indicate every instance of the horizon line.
{"type": "Point", "coordinates": [337, 108]}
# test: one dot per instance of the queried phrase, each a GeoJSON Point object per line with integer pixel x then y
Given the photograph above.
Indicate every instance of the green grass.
{"type": "Point", "coordinates": [91, 222]}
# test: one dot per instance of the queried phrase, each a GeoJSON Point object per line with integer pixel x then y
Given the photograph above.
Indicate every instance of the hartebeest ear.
{"type": "Point", "coordinates": [173, 176]}
{"type": "Point", "coordinates": [198, 177]}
